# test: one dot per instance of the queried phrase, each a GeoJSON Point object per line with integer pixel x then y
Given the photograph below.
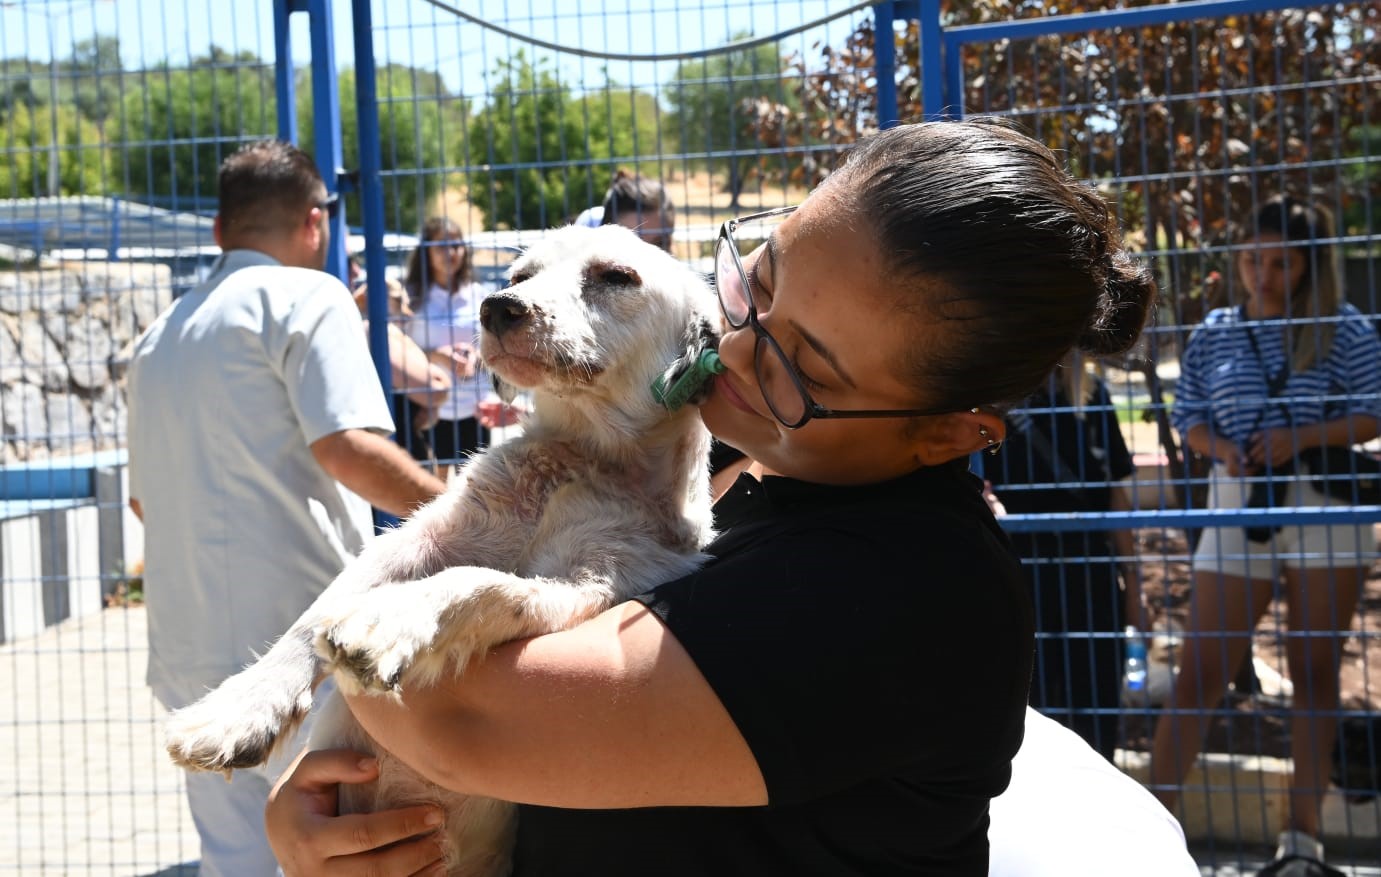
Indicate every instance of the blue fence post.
{"type": "Point", "coordinates": [330, 156]}
{"type": "Point", "coordinates": [371, 188]}
{"type": "Point", "coordinates": [933, 103]}
{"type": "Point", "coordinates": [285, 89]}
{"type": "Point", "coordinates": [885, 62]}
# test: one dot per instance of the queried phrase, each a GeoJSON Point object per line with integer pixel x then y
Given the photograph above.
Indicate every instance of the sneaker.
{"type": "Point", "coordinates": [1299, 866]}
{"type": "Point", "coordinates": [1298, 855]}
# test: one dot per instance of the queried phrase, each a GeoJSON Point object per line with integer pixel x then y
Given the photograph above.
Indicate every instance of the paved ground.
{"type": "Point", "coordinates": [88, 786]}
{"type": "Point", "coordinates": [90, 791]}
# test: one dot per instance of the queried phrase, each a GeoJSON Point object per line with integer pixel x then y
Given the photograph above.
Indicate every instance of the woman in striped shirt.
{"type": "Point", "coordinates": [1292, 367]}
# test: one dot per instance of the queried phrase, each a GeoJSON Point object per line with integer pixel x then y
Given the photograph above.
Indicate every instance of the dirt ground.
{"type": "Point", "coordinates": [698, 198]}
{"type": "Point", "coordinates": [1258, 725]}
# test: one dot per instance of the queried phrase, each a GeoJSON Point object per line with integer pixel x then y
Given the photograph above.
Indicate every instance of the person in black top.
{"type": "Point", "coordinates": [841, 688]}
{"type": "Point", "coordinates": [1065, 453]}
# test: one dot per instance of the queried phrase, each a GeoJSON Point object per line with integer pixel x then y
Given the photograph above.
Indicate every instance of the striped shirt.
{"type": "Point", "coordinates": [1225, 384]}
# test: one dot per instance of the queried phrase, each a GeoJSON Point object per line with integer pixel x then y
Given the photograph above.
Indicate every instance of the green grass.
{"type": "Point", "coordinates": [1130, 410]}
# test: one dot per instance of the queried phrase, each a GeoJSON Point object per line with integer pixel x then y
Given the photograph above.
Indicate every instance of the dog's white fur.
{"type": "Point", "coordinates": [605, 494]}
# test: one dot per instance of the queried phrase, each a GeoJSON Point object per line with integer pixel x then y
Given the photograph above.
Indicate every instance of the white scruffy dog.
{"type": "Point", "coordinates": [605, 494]}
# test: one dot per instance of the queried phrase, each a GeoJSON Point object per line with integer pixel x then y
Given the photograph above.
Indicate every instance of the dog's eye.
{"type": "Point", "coordinates": [615, 276]}
{"type": "Point", "coordinates": [518, 277]}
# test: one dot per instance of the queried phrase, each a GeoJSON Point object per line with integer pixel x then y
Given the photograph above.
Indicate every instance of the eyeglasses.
{"type": "Point", "coordinates": [778, 380]}
{"type": "Point", "coordinates": [330, 205]}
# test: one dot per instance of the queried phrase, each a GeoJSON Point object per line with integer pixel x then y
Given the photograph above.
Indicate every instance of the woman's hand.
{"type": "Point", "coordinates": [994, 504]}
{"type": "Point", "coordinates": [1272, 447]}
{"type": "Point", "coordinates": [310, 839]}
{"type": "Point", "coordinates": [425, 418]}
{"type": "Point", "coordinates": [495, 414]}
{"type": "Point", "coordinates": [460, 358]}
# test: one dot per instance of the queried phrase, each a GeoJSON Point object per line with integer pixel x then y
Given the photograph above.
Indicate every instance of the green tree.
{"type": "Point", "coordinates": [34, 163]}
{"type": "Point", "coordinates": [95, 68]}
{"type": "Point", "coordinates": [178, 124]}
{"type": "Point", "coordinates": [419, 124]}
{"type": "Point", "coordinates": [713, 109]}
{"type": "Point", "coordinates": [543, 155]}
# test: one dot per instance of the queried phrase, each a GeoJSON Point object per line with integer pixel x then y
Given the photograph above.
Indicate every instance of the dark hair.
{"type": "Point", "coordinates": [263, 185]}
{"type": "Point", "coordinates": [644, 196]}
{"type": "Point", "coordinates": [985, 229]}
{"type": "Point", "coordinates": [417, 276]}
{"type": "Point", "coordinates": [1310, 227]}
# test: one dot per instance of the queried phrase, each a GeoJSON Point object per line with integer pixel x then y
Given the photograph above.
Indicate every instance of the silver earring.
{"type": "Point", "coordinates": [993, 444]}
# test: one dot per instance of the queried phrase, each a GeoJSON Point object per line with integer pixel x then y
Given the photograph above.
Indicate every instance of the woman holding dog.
{"type": "Point", "coordinates": [1255, 390]}
{"type": "Point", "coordinates": [841, 688]}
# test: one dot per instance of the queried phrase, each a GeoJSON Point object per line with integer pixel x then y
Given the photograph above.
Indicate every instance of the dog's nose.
{"type": "Point", "coordinates": [499, 313]}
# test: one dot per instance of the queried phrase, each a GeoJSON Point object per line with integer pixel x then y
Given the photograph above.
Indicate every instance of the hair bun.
{"type": "Point", "coordinates": [1123, 306]}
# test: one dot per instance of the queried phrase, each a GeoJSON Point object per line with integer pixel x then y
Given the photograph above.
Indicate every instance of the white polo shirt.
{"type": "Point", "coordinates": [243, 528]}
{"type": "Point", "coordinates": [446, 318]}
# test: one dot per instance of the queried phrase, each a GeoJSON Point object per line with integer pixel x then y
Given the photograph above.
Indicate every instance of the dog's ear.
{"type": "Point", "coordinates": [699, 336]}
{"type": "Point", "coordinates": [506, 391]}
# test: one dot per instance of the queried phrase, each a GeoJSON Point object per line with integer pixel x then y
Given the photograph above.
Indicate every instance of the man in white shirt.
{"type": "Point", "coordinates": [258, 439]}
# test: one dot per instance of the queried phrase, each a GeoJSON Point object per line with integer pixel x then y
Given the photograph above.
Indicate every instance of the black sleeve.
{"type": "Point", "coordinates": [847, 653]}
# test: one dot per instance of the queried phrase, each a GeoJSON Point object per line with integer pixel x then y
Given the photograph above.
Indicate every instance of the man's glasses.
{"type": "Point", "coordinates": [778, 380]}
{"type": "Point", "coordinates": [330, 205]}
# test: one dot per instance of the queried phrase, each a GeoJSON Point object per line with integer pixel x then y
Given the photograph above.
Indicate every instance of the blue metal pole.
{"type": "Point", "coordinates": [885, 62]}
{"type": "Point", "coordinates": [1104, 19]}
{"type": "Point", "coordinates": [330, 156]}
{"type": "Point", "coordinates": [954, 77]}
{"type": "Point", "coordinates": [284, 87]}
{"type": "Point", "coordinates": [116, 205]}
{"type": "Point", "coordinates": [371, 188]}
{"type": "Point", "coordinates": [933, 96]}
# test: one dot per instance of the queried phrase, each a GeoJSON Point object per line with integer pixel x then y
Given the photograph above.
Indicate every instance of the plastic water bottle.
{"type": "Point", "coordinates": [1136, 661]}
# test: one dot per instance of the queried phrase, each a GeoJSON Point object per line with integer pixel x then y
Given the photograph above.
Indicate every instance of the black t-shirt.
{"type": "Point", "coordinates": [873, 645]}
{"type": "Point", "coordinates": [1091, 455]}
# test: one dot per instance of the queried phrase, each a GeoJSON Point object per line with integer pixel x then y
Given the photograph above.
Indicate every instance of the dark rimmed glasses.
{"type": "Point", "coordinates": [330, 205]}
{"type": "Point", "coordinates": [781, 386]}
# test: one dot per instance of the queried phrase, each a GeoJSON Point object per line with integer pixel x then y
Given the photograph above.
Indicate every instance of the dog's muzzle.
{"type": "Point", "coordinates": [500, 313]}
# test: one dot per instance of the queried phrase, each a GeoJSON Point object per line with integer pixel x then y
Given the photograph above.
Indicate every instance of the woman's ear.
{"type": "Point", "coordinates": [950, 436]}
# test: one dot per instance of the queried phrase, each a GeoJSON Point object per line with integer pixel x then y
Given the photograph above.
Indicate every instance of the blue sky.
{"type": "Point", "coordinates": [415, 32]}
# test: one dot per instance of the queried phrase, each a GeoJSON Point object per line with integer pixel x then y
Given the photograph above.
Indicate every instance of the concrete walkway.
{"type": "Point", "coordinates": [87, 788]}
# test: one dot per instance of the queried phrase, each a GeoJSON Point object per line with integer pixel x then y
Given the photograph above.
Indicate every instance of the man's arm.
{"type": "Point", "coordinates": [376, 469]}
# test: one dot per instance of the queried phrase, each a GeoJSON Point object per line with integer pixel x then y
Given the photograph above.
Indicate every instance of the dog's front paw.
{"type": "Point", "coordinates": [235, 726]}
{"type": "Point", "coordinates": [373, 644]}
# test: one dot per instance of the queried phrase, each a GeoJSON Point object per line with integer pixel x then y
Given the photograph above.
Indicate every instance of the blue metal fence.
{"type": "Point", "coordinates": [509, 121]}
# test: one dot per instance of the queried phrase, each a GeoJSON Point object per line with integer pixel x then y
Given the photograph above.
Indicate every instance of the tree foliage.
{"type": "Point", "coordinates": [33, 163]}
{"type": "Point", "coordinates": [1196, 121]}
{"type": "Point", "coordinates": [176, 129]}
{"type": "Point", "coordinates": [420, 125]}
{"type": "Point", "coordinates": [717, 106]}
{"type": "Point", "coordinates": [541, 155]}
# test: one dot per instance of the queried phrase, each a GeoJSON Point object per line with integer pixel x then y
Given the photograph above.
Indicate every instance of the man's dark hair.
{"type": "Point", "coordinates": [265, 185]}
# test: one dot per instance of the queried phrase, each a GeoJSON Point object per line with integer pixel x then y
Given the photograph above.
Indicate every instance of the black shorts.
{"type": "Point", "coordinates": [447, 442]}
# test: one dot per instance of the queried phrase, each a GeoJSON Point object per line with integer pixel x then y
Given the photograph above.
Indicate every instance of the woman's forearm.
{"type": "Point", "coordinates": [1344, 431]}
